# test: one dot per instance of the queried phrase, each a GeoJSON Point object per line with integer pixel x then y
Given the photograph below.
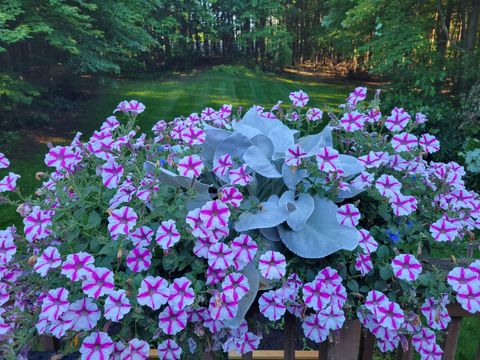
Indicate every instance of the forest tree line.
{"type": "Point", "coordinates": [424, 48]}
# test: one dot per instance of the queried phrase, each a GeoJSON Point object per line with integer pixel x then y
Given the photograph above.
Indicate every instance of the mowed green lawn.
{"type": "Point", "coordinates": [172, 95]}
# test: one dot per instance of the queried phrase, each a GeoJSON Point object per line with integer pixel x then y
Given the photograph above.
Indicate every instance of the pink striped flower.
{"type": "Point", "coordinates": [429, 143]}
{"type": "Point", "coordinates": [169, 350]}
{"type": "Point", "coordinates": [420, 119]}
{"type": "Point", "coordinates": [196, 224]}
{"type": "Point", "coordinates": [397, 120]}
{"type": "Point", "coordinates": [458, 278]}
{"type": "Point", "coordinates": [374, 300]}
{"type": "Point", "coordinates": [231, 196]}
{"type": "Point", "coordinates": [193, 136]}
{"type": "Point", "coordinates": [215, 214]}
{"type": "Point", "coordinates": [272, 265]}
{"type": "Point", "coordinates": [246, 342]}
{"type": "Point", "coordinates": [235, 286]}
{"type": "Point", "coordinates": [390, 315]}
{"type": "Point", "coordinates": [313, 329]}
{"type": "Point", "coordinates": [373, 116]}
{"type": "Point", "coordinates": [244, 249]}
{"type": "Point", "coordinates": [348, 215]}
{"type": "Point", "coordinates": [181, 294]}
{"type": "Point", "coordinates": [239, 176]}
{"type": "Point", "coordinates": [298, 98]}
{"type": "Point", "coordinates": [112, 173]}
{"type": "Point", "coordinates": [101, 144]}
{"type": "Point", "coordinates": [98, 282]}
{"type": "Point", "coordinates": [220, 256]}
{"type": "Point", "coordinates": [4, 293]}
{"type": "Point", "coordinates": [374, 159]}
{"type": "Point", "coordinates": [139, 259]}
{"type": "Point", "coordinates": [404, 142]}
{"type": "Point", "coordinates": [352, 121]}
{"type": "Point", "coordinates": [97, 345]}
{"type": "Point", "coordinates": [111, 123]}
{"type": "Point", "coordinates": [141, 236]}
{"type": "Point", "coordinates": [331, 317]}
{"type": "Point", "coordinates": [153, 292]}
{"type": "Point", "coordinates": [7, 247]}
{"type": "Point", "coordinates": [202, 244]}
{"type": "Point", "coordinates": [50, 259]}
{"type": "Point", "coordinates": [367, 242]}
{"type": "Point", "coordinates": [314, 114]}
{"type": "Point", "coordinates": [403, 205]}
{"type": "Point", "coordinates": [433, 352]}
{"type": "Point", "coordinates": [4, 162]}
{"type": "Point", "coordinates": [436, 313]}
{"type": "Point", "coordinates": [37, 224]}
{"type": "Point", "coordinates": [359, 94]}
{"type": "Point", "coordinates": [118, 348]}
{"type": "Point", "coordinates": [117, 305]}
{"type": "Point", "coordinates": [388, 185]}
{"type": "Point", "coordinates": [406, 267]}
{"type": "Point", "coordinates": [328, 159]}
{"type": "Point", "coordinates": [77, 266]}
{"type": "Point", "coordinates": [443, 230]}
{"type": "Point", "coordinates": [469, 298]}
{"type": "Point", "coordinates": [167, 234]}
{"type": "Point", "coordinates": [424, 339]}
{"type": "Point", "coordinates": [208, 114]}
{"type": "Point", "coordinates": [294, 155]}
{"type": "Point", "coordinates": [221, 307]}
{"type": "Point", "coordinates": [172, 321]}
{"type": "Point", "coordinates": [122, 221]}
{"type": "Point", "coordinates": [214, 276]}
{"type": "Point", "coordinates": [62, 158]}
{"type": "Point", "coordinates": [190, 166]}
{"type": "Point", "coordinates": [329, 277]}
{"type": "Point", "coordinates": [222, 165]}
{"type": "Point", "coordinates": [136, 350]}
{"type": "Point", "coordinates": [83, 315]}
{"type": "Point", "coordinates": [363, 263]}
{"type": "Point", "coordinates": [9, 182]}
{"type": "Point", "coordinates": [316, 294]}
{"type": "Point", "coordinates": [55, 303]}
{"type": "Point", "coordinates": [271, 306]}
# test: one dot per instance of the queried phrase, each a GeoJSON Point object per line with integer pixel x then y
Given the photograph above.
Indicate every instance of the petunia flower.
{"type": "Point", "coordinates": [208, 113]}
{"type": "Point", "coordinates": [169, 350]}
{"type": "Point", "coordinates": [172, 321]}
{"type": "Point", "coordinates": [469, 298]}
{"type": "Point", "coordinates": [246, 342]}
{"type": "Point", "coordinates": [181, 294]}
{"type": "Point", "coordinates": [98, 282]}
{"type": "Point", "coordinates": [112, 173]}
{"type": "Point", "coordinates": [190, 166]}
{"type": "Point", "coordinates": [429, 143]}
{"type": "Point", "coordinates": [136, 350]}
{"type": "Point", "coordinates": [97, 345]}
{"type": "Point", "coordinates": [403, 205]}
{"type": "Point", "coordinates": [406, 267]}
{"type": "Point", "coordinates": [331, 317]}
{"type": "Point", "coordinates": [359, 94]}
{"type": "Point", "coordinates": [436, 313]}
{"type": "Point", "coordinates": [214, 276]}
{"type": "Point", "coordinates": [328, 159]}
{"type": "Point", "coordinates": [239, 176]}
{"type": "Point", "coordinates": [153, 292]}
{"type": "Point", "coordinates": [117, 305]}
{"type": "Point", "coordinates": [142, 236]}
{"type": "Point", "coordinates": [139, 259]}
{"type": "Point", "coordinates": [374, 159]}
{"type": "Point", "coordinates": [215, 214]}
{"type": "Point", "coordinates": [244, 249]}
{"type": "Point", "coordinates": [231, 196]}
{"type": "Point", "coordinates": [222, 165]}
{"type": "Point", "coordinates": [294, 155]}
{"type": "Point", "coordinates": [193, 136]}
{"type": "Point", "coordinates": [458, 278]}
{"type": "Point", "coordinates": [220, 256]}
{"type": "Point", "coordinates": [196, 224]}
{"type": "Point", "coordinates": [4, 162]}
{"type": "Point", "coordinates": [329, 277]}
{"type": "Point", "coordinates": [221, 307]}
{"type": "Point", "coordinates": [388, 186]}
{"type": "Point", "coordinates": [61, 158]}
{"type": "Point", "coordinates": [37, 224]}
{"type": "Point", "coordinates": [50, 259]}
{"type": "Point", "coordinates": [235, 286]}
{"type": "Point", "coordinates": [313, 329]}
{"type": "Point", "coordinates": [7, 247]}
{"type": "Point", "coordinates": [367, 242]}
{"type": "Point", "coordinates": [167, 234]}
{"type": "Point", "coordinates": [374, 299]}
{"type": "Point", "coordinates": [316, 294]}
{"type": "Point", "coordinates": [298, 98]}
{"type": "Point", "coordinates": [404, 142]}
{"type": "Point", "coordinates": [352, 121]}
{"type": "Point", "coordinates": [443, 230]}
{"type": "Point", "coordinates": [55, 303]}
{"type": "Point", "coordinates": [390, 315]}
{"type": "Point", "coordinates": [363, 263]}
{"type": "Point", "coordinates": [77, 266]}
{"type": "Point", "coordinates": [397, 120]}
{"type": "Point", "coordinates": [84, 315]}
{"type": "Point", "coordinates": [314, 114]}
{"type": "Point", "coordinates": [122, 221]}
{"type": "Point", "coordinates": [271, 306]}
{"type": "Point", "coordinates": [348, 215]}
{"type": "Point", "coordinates": [272, 265]}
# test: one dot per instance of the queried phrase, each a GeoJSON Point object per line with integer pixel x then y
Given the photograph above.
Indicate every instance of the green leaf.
{"type": "Point", "coordinates": [386, 273]}
{"type": "Point", "coordinates": [383, 252]}
{"type": "Point", "coordinates": [94, 220]}
{"type": "Point", "coordinates": [352, 285]}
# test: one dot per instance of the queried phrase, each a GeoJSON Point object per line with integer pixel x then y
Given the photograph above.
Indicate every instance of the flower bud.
{"type": "Point", "coordinates": [32, 259]}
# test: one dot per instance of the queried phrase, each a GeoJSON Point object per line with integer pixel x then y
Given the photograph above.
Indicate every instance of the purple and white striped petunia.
{"type": "Point", "coordinates": [122, 221]}
{"type": "Point", "coordinates": [244, 249]}
{"type": "Point", "coordinates": [406, 267]}
{"type": "Point", "coordinates": [97, 345]}
{"type": "Point", "coordinates": [9, 182]}
{"type": "Point", "coordinates": [403, 205]}
{"type": "Point", "coordinates": [62, 158]}
{"type": "Point", "coordinates": [469, 298]}
{"type": "Point", "coordinates": [316, 294]}
{"type": "Point", "coordinates": [181, 294]}
{"type": "Point", "coordinates": [388, 185]}
{"type": "Point", "coordinates": [443, 230]}
{"type": "Point", "coordinates": [7, 247]}
{"type": "Point", "coordinates": [50, 259]}
{"type": "Point", "coordinates": [314, 114]}
{"type": "Point", "coordinates": [239, 176]}
{"type": "Point", "coordinates": [363, 263]}
{"type": "Point", "coordinates": [221, 307]}
{"type": "Point", "coordinates": [4, 162]}
{"type": "Point", "coordinates": [313, 329]}
{"type": "Point", "coordinates": [458, 278]}
{"type": "Point", "coordinates": [215, 214]}
{"type": "Point", "coordinates": [294, 155]}
{"type": "Point", "coordinates": [98, 282]}
{"type": "Point", "coordinates": [112, 173]}
{"type": "Point", "coordinates": [331, 317]}
{"type": "Point", "coordinates": [272, 265]}
{"type": "Point", "coordinates": [231, 195]}
{"type": "Point", "coordinates": [220, 256]}
{"type": "Point", "coordinates": [398, 119]}
{"type": "Point", "coordinates": [271, 306]}
{"type": "Point", "coordinates": [136, 350]}
{"type": "Point", "coordinates": [141, 236]}
{"type": "Point", "coordinates": [37, 224]}
{"type": "Point", "coordinates": [83, 314]}
{"type": "Point", "coordinates": [404, 142]}
{"type": "Point", "coordinates": [190, 166]}
{"type": "Point", "coordinates": [55, 303]}
{"type": "Point", "coordinates": [193, 136]}
{"type": "Point", "coordinates": [359, 94]}
{"type": "Point", "coordinates": [390, 315]}
{"type": "Point", "coordinates": [222, 165]}
{"type": "Point", "coordinates": [167, 234]}
{"type": "Point", "coordinates": [367, 242]}
{"type": "Point", "coordinates": [374, 299]}
{"type": "Point", "coordinates": [429, 143]}
{"type": "Point", "coordinates": [153, 292]}
{"type": "Point", "coordinates": [299, 98]}
{"type": "Point", "coordinates": [77, 266]}
{"type": "Point", "coordinates": [172, 321]}
{"type": "Point", "coordinates": [139, 259]}
{"type": "Point", "coordinates": [328, 159]}
{"type": "Point", "coordinates": [348, 215]}
{"type": "Point", "coordinates": [352, 121]}
{"type": "Point", "coordinates": [169, 350]}
{"type": "Point", "coordinates": [117, 305]}
{"type": "Point", "coordinates": [235, 286]}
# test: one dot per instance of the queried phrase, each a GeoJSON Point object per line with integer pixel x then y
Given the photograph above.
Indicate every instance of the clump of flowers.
{"type": "Point", "coordinates": [135, 242]}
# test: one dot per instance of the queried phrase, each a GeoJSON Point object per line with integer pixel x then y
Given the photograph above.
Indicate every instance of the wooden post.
{"type": "Point", "coordinates": [453, 331]}
{"type": "Point", "coordinates": [47, 342]}
{"type": "Point", "coordinates": [289, 336]}
{"type": "Point", "coordinates": [368, 342]}
{"type": "Point", "coordinates": [405, 355]}
{"type": "Point", "coordinates": [345, 345]}
{"type": "Point", "coordinates": [247, 356]}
